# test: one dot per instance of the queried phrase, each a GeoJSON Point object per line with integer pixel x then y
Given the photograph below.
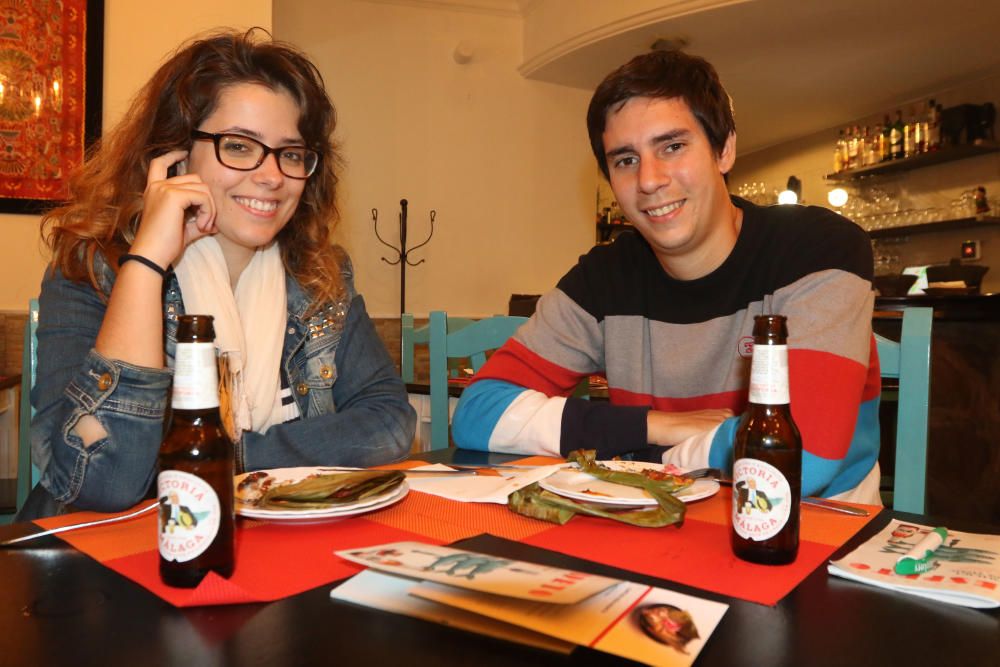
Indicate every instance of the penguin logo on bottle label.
{"type": "Point", "coordinates": [189, 515]}
{"type": "Point", "coordinates": [761, 500]}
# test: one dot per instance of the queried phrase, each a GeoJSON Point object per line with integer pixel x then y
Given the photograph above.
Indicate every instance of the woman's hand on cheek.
{"type": "Point", "coordinates": [176, 211]}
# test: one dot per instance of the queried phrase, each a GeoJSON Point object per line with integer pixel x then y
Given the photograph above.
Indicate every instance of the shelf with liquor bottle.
{"type": "Point", "coordinates": [936, 136]}
{"type": "Point", "coordinates": [940, 156]}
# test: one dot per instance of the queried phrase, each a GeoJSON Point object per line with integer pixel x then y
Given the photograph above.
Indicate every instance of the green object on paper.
{"type": "Point", "coordinates": [921, 557]}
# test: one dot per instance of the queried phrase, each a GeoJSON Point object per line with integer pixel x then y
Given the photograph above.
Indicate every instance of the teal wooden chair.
{"type": "Point", "coordinates": [909, 360]}
{"type": "Point", "coordinates": [411, 337]}
{"type": "Point", "coordinates": [470, 342]}
{"type": "Point", "coordinates": [27, 473]}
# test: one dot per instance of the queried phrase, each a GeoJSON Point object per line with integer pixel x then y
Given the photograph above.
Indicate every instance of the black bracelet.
{"type": "Point", "coordinates": [142, 260]}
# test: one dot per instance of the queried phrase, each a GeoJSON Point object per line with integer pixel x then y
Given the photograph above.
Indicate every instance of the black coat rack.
{"type": "Point", "coordinates": [402, 252]}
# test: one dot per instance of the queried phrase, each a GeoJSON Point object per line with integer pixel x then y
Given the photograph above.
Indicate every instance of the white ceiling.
{"type": "Point", "coordinates": [794, 67]}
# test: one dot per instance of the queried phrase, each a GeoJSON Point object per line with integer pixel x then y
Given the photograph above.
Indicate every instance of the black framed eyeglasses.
{"type": "Point", "coordinates": [246, 154]}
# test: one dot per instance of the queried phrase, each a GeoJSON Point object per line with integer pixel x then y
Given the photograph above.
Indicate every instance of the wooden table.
{"type": "Point", "coordinates": [59, 607]}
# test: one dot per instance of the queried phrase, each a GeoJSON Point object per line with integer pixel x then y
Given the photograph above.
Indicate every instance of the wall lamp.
{"type": "Point", "coordinates": [792, 192]}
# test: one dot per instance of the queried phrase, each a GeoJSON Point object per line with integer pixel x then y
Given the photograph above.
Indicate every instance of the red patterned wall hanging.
{"type": "Point", "coordinates": [50, 96]}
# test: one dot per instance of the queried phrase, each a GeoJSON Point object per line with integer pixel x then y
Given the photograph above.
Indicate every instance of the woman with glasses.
{"type": "Point", "coordinates": [214, 195]}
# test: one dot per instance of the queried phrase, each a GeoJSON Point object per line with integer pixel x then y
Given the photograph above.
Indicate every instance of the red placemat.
{"type": "Point", "coordinates": [273, 560]}
{"type": "Point", "coordinates": [699, 554]}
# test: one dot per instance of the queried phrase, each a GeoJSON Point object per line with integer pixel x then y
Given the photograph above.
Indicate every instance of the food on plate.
{"type": "Point", "coordinates": [653, 481]}
{"type": "Point", "coordinates": [536, 502]}
{"type": "Point", "coordinates": [316, 491]}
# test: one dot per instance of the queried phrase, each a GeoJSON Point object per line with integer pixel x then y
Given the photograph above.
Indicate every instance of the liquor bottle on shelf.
{"type": "Point", "coordinates": [919, 134]}
{"type": "Point", "coordinates": [869, 143]}
{"type": "Point", "coordinates": [767, 468]}
{"type": "Point", "coordinates": [862, 146]}
{"type": "Point", "coordinates": [852, 148]}
{"type": "Point", "coordinates": [933, 126]}
{"type": "Point", "coordinates": [196, 526]}
{"type": "Point", "coordinates": [845, 149]}
{"type": "Point", "coordinates": [875, 146]}
{"type": "Point", "coordinates": [896, 137]}
{"type": "Point", "coordinates": [838, 156]}
{"type": "Point", "coordinates": [886, 142]}
{"type": "Point", "coordinates": [908, 134]}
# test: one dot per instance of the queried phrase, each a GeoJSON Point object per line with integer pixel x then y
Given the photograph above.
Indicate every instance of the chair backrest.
{"type": "Point", "coordinates": [410, 337]}
{"type": "Point", "coordinates": [910, 361]}
{"type": "Point", "coordinates": [27, 473]}
{"type": "Point", "coordinates": [473, 342]}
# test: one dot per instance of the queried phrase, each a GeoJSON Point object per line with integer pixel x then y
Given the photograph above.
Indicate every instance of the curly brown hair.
{"type": "Point", "coordinates": [106, 193]}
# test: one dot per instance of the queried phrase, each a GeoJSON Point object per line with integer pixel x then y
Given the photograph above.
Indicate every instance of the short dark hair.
{"type": "Point", "coordinates": [663, 74]}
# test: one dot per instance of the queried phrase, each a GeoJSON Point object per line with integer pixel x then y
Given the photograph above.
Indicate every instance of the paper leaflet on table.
{"type": "Point", "coordinates": [635, 621]}
{"type": "Point", "coordinates": [391, 593]}
{"type": "Point", "coordinates": [964, 570]}
{"type": "Point", "coordinates": [479, 572]}
{"type": "Point", "coordinates": [478, 488]}
{"type": "Point", "coordinates": [632, 620]}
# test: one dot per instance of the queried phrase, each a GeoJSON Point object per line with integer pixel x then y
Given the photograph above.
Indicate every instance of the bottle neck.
{"type": "Point", "coordinates": [769, 375]}
{"type": "Point", "coordinates": [196, 377]}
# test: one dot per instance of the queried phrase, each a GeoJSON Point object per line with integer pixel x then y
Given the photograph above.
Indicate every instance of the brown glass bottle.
{"type": "Point", "coordinates": [195, 483]}
{"type": "Point", "coordinates": [767, 468]}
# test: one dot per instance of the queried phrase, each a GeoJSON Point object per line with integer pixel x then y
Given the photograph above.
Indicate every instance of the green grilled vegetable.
{"type": "Point", "coordinates": [330, 490]}
{"type": "Point", "coordinates": [538, 503]}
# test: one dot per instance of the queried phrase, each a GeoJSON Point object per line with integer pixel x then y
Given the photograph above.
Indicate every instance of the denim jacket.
{"type": "Point", "coordinates": [353, 404]}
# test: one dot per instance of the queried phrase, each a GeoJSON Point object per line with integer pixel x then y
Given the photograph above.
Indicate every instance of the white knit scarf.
{"type": "Point", "coordinates": [249, 328]}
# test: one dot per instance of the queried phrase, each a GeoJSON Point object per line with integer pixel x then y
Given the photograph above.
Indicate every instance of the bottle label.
{"type": "Point", "coordinates": [190, 515]}
{"type": "Point", "coordinates": [196, 377]}
{"type": "Point", "coordinates": [762, 500]}
{"type": "Point", "coordinates": [769, 375]}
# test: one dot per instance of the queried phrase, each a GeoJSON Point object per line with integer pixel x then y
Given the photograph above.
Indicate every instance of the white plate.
{"type": "Point", "coordinates": [579, 485]}
{"type": "Point", "coordinates": [288, 475]}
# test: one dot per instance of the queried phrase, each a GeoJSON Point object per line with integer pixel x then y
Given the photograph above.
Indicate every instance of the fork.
{"type": "Point", "coordinates": [76, 526]}
{"type": "Point", "coordinates": [821, 503]}
{"type": "Point", "coordinates": [710, 473]}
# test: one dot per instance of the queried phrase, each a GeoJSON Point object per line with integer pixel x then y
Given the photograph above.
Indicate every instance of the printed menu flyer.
{"type": "Point", "coordinates": [532, 604]}
{"type": "Point", "coordinates": [961, 569]}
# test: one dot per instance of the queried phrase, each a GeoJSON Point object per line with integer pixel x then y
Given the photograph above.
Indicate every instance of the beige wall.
{"type": "Point", "coordinates": [812, 157]}
{"type": "Point", "coordinates": [504, 161]}
{"type": "Point", "coordinates": [137, 35]}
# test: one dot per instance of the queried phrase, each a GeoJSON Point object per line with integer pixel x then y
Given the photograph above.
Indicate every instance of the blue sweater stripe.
{"type": "Point", "coordinates": [829, 476]}
{"type": "Point", "coordinates": [482, 405]}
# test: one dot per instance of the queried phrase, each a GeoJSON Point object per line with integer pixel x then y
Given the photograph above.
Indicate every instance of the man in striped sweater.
{"type": "Point", "coordinates": [666, 314]}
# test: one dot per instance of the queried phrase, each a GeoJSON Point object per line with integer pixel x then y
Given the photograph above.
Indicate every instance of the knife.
{"type": "Point", "coordinates": [499, 466]}
{"type": "Point", "coordinates": [413, 471]}
{"type": "Point", "coordinates": [823, 503]}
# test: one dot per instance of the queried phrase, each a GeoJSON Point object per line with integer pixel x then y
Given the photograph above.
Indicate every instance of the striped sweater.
{"type": "Point", "coordinates": [677, 345]}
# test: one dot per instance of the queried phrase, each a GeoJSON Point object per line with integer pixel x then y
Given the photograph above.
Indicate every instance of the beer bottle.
{"type": "Point", "coordinates": [767, 468]}
{"type": "Point", "coordinates": [195, 482]}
